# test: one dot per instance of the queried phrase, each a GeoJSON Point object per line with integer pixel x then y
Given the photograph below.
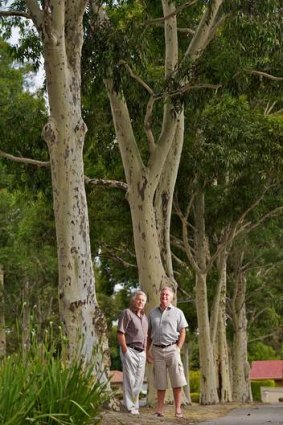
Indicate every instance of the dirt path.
{"type": "Point", "coordinates": [192, 415]}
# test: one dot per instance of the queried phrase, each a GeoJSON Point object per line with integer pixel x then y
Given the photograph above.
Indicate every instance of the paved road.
{"type": "Point", "coordinates": [271, 414]}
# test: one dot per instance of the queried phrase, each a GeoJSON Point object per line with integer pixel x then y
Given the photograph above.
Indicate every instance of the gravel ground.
{"type": "Point", "coordinates": [192, 414]}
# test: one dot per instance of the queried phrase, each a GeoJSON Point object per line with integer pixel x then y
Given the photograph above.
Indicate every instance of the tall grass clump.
{"type": "Point", "coordinates": [17, 391]}
{"type": "Point", "coordinates": [39, 388]}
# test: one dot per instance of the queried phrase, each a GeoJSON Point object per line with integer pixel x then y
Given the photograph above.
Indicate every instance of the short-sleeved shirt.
{"type": "Point", "coordinates": [134, 327]}
{"type": "Point", "coordinates": [165, 325]}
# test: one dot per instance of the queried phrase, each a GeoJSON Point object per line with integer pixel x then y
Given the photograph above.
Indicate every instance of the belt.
{"type": "Point", "coordinates": [140, 350]}
{"type": "Point", "coordinates": [164, 346]}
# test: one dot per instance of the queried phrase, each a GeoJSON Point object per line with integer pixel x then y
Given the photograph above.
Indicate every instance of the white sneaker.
{"type": "Point", "coordinates": [134, 412]}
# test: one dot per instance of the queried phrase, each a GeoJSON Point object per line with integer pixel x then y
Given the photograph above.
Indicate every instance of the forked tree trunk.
{"type": "Point", "coordinates": [149, 193]}
{"type": "Point", "coordinates": [2, 316]}
{"type": "Point", "coordinates": [151, 185]}
{"type": "Point", "coordinates": [142, 183]}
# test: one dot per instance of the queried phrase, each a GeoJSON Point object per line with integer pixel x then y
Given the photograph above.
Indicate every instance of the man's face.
{"type": "Point", "coordinates": [139, 302]}
{"type": "Point", "coordinates": [166, 297]}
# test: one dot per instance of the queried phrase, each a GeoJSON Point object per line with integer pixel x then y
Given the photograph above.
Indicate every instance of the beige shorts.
{"type": "Point", "coordinates": [168, 359]}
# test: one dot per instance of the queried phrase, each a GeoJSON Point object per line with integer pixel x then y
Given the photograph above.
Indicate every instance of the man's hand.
{"type": "Point", "coordinates": [149, 357]}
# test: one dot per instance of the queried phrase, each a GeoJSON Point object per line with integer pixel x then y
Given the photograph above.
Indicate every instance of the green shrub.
{"type": "Point", "coordinates": [195, 381]}
{"type": "Point", "coordinates": [255, 385]}
{"type": "Point", "coordinates": [44, 391]}
{"type": "Point", "coordinates": [195, 397]}
{"type": "Point", "coordinates": [260, 351]}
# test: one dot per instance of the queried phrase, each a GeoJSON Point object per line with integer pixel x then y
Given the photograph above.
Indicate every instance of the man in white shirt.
{"type": "Point", "coordinates": [166, 334]}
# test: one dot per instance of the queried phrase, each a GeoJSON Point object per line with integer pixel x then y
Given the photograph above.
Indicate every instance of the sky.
{"type": "Point", "coordinates": [34, 80]}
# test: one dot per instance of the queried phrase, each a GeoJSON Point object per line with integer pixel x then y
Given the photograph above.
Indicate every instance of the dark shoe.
{"type": "Point", "coordinates": [159, 415]}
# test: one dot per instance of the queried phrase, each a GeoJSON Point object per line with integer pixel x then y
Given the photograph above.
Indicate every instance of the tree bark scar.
{"type": "Point", "coordinates": [76, 304]}
{"type": "Point", "coordinates": [99, 322]}
{"type": "Point", "coordinates": [142, 186]}
{"type": "Point", "coordinates": [50, 133]}
{"type": "Point", "coordinates": [165, 201]}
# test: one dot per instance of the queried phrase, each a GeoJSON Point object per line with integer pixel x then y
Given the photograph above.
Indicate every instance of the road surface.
{"type": "Point", "coordinates": [267, 414]}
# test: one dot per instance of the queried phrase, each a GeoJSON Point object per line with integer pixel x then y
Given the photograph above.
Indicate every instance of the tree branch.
{"type": "Point", "coordinates": [263, 74]}
{"type": "Point", "coordinates": [136, 77]}
{"type": "Point", "coordinates": [187, 87]}
{"type": "Point", "coordinates": [109, 252]}
{"type": "Point", "coordinates": [149, 108]}
{"type": "Point", "coordinates": [114, 184]}
{"type": "Point", "coordinates": [181, 262]}
{"type": "Point", "coordinates": [35, 12]}
{"type": "Point", "coordinates": [170, 15]}
{"type": "Point", "coordinates": [148, 122]}
{"type": "Point", "coordinates": [185, 243]}
{"type": "Point", "coordinates": [205, 31]}
{"type": "Point", "coordinates": [260, 338]}
{"type": "Point", "coordinates": [14, 14]}
{"type": "Point", "coordinates": [25, 160]}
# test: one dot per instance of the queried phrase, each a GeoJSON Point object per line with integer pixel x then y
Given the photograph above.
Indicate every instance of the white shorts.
{"type": "Point", "coordinates": [168, 359]}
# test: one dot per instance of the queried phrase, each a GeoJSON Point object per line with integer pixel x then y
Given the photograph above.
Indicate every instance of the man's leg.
{"type": "Point", "coordinates": [129, 362]}
{"type": "Point", "coordinates": [177, 392]}
{"type": "Point", "coordinates": [139, 378]}
{"type": "Point", "coordinates": [160, 401]}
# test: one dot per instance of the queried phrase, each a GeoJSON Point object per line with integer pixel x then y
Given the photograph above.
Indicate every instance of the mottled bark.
{"type": "Point", "coordinates": [164, 197]}
{"type": "Point", "coordinates": [218, 332]}
{"type": "Point", "coordinates": [151, 185]}
{"type": "Point", "coordinates": [241, 389]}
{"type": "Point", "coordinates": [208, 375]}
{"type": "Point", "coordinates": [186, 363]}
{"type": "Point", "coordinates": [60, 26]}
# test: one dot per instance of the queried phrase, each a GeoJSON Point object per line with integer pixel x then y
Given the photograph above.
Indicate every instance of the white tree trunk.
{"type": "Point", "coordinates": [186, 362]}
{"type": "Point", "coordinates": [2, 316]}
{"type": "Point", "coordinates": [164, 197]}
{"type": "Point", "coordinates": [208, 374]}
{"type": "Point", "coordinates": [208, 377]}
{"type": "Point", "coordinates": [151, 186]}
{"type": "Point", "coordinates": [241, 383]}
{"type": "Point", "coordinates": [60, 26]}
{"type": "Point", "coordinates": [218, 335]}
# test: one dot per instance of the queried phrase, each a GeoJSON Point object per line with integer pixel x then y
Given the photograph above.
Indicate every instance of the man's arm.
{"type": "Point", "coordinates": [122, 341]}
{"type": "Point", "coordinates": [182, 337]}
{"type": "Point", "coordinates": [148, 350]}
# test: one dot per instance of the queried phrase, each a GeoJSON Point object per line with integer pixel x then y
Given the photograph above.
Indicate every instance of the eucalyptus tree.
{"type": "Point", "coordinates": [253, 306]}
{"type": "Point", "coordinates": [253, 73]}
{"type": "Point", "coordinates": [59, 26]}
{"type": "Point", "coordinates": [151, 167]}
{"type": "Point", "coordinates": [151, 170]}
{"type": "Point", "coordinates": [233, 186]}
